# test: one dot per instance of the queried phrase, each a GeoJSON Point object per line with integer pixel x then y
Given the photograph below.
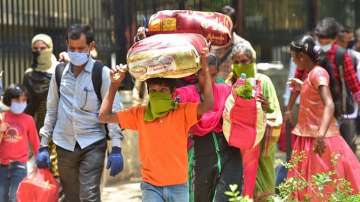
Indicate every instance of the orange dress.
{"type": "Point", "coordinates": [306, 132]}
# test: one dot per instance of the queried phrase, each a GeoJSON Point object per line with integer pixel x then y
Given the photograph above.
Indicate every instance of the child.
{"type": "Point", "coordinates": [163, 128]}
{"type": "Point", "coordinates": [14, 148]}
{"type": "Point", "coordinates": [317, 134]}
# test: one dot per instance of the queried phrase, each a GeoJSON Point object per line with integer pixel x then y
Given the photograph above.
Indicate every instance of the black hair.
{"type": "Point", "coordinates": [213, 61]}
{"type": "Point", "coordinates": [231, 12]}
{"type": "Point", "coordinates": [12, 92]}
{"type": "Point", "coordinates": [306, 44]}
{"type": "Point", "coordinates": [345, 29]}
{"type": "Point", "coordinates": [74, 32]}
{"type": "Point", "coordinates": [327, 28]}
{"type": "Point", "coordinates": [171, 83]}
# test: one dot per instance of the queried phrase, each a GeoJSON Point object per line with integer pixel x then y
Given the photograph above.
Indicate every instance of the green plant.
{"type": "Point", "coordinates": [245, 91]}
{"type": "Point", "coordinates": [235, 196]}
{"type": "Point", "coordinates": [323, 186]}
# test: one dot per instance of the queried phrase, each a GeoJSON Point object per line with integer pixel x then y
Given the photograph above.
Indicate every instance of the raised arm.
{"type": "Point", "coordinates": [208, 102]}
{"type": "Point", "coordinates": [106, 115]}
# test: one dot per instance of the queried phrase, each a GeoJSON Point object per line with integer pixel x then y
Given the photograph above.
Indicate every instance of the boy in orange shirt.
{"type": "Point", "coordinates": [163, 128]}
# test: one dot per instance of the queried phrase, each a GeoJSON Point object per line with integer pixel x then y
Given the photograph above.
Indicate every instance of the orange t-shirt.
{"type": "Point", "coordinates": [162, 143]}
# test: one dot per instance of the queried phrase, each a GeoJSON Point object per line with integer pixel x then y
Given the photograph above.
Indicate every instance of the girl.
{"type": "Point", "coordinates": [317, 134]}
{"type": "Point", "coordinates": [14, 147]}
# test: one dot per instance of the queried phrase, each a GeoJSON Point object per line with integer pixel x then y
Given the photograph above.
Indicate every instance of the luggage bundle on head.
{"type": "Point", "coordinates": [215, 27]}
{"type": "Point", "coordinates": [166, 56]}
{"type": "Point", "coordinates": [244, 121]}
{"type": "Point", "coordinates": [176, 40]}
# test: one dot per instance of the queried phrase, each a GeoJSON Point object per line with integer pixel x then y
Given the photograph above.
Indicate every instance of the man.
{"type": "Point", "coordinates": [72, 121]}
{"type": "Point", "coordinates": [326, 31]}
{"type": "Point", "coordinates": [345, 36]}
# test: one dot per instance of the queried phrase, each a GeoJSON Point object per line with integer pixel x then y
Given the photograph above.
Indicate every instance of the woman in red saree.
{"type": "Point", "coordinates": [317, 134]}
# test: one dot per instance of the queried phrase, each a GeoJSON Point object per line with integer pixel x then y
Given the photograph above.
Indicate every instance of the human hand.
{"type": "Point", "coordinates": [117, 74]}
{"type": "Point", "coordinates": [64, 57]}
{"type": "Point", "coordinates": [319, 146]}
{"type": "Point", "coordinates": [43, 158]}
{"type": "Point", "coordinates": [295, 84]}
{"type": "Point", "coordinates": [264, 103]}
{"type": "Point", "coordinates": [115, 161]}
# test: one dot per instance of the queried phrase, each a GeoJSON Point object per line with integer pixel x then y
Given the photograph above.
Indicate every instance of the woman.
{"type": "Point", "coordinates": [36, 80]}
{"type": "Point", "coordinates": [260, 163]}
{"type": "Point", "coordinates": [216, 164]}
{"type": "Point", "coordinates": [19, 133]}
{"type": "Point", "coordinates": [317, 134]}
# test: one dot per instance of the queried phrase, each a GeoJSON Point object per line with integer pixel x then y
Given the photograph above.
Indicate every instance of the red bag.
{"type": "Point", "coordinates": [38, 186]}
{"type": "Point", "coordinates": [215, 27]}
{"type": "Point", "coordinates": [284, 134]}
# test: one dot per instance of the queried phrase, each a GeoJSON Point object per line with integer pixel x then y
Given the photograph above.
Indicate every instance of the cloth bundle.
{"type": "Point", "coordinates": [166, 56]}
{"type": "Point", "coordinates": [215, 27]}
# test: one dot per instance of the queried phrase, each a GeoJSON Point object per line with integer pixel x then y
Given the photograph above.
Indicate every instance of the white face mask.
{"type": "Point", "coordinates": [18, 107]}
{"type": "Point", "coordinates": [326, 48]}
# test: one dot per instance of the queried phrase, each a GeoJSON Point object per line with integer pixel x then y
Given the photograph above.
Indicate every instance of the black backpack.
{"type": "Point", "coordinates": [96, 78]}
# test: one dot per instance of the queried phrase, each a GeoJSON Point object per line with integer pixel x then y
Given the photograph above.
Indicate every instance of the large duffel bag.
{"type": "Point", "coordinates": [215, 27]}
{"type": "Point", "coordinates": [166, 56]}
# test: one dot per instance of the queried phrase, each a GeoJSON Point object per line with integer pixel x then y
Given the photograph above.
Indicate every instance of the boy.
{"type": "Point", "coordinates": [163, 128]}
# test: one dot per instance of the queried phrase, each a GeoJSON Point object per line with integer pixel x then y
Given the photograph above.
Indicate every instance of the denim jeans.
{"type": "Point", "coordinates": [174, 193]}
{"type": "Point", "coordinates": [10, 177]}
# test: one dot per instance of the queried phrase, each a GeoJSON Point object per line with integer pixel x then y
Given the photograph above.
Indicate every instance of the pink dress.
{"type": "Point", "coordinates": [310, 117]}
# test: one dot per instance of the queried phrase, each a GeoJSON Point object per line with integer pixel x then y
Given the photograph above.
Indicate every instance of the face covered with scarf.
{"type": "Point", "coordinates": [42, 48]}
{"type": "Point", "coordinates": [243, 60]}
{"type": "Point", "coordinates": [242, 63]}
{"type": "Point", "coordinates": [160, 98]}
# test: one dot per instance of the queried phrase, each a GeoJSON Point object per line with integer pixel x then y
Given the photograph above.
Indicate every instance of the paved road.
{"type": "Point", "coordinates": [122, 193]}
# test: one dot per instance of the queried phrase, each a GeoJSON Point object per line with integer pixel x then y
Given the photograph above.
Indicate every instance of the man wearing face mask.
{"type": "Point", "coordinates": [37, 78]}
{"type": "Point", "coordinates": [341, 65]}
{"type": "Point", "coordinates": [72, 122]}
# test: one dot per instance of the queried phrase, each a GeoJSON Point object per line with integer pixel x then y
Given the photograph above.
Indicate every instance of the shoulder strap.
{"type": "Point", "coordinates": [96, 77]}
{"type": "Point", "coordinates": [59, 69]}
{"type": "Point", "coordinates": [340, 53]}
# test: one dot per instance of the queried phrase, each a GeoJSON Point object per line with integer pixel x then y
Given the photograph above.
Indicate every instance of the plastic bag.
{"type": "Point", "coordinates": [38, 186]}
{"type": "Point", "coordinates": [244, 121]}
{"type": "Point", "coordinates": [166, 56]}
{"type": "Point", "coordinates": [215, 27]}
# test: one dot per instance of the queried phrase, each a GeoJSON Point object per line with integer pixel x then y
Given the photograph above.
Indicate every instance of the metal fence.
{"type": "Point", "coordinates": [114, 23]}
{"type": "Point", "coordinates": [20, 20]}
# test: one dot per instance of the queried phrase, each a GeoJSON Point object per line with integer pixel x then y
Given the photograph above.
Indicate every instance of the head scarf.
{"type": "Point", "coordinates": [44, 38]}
{"type": "Point", "coordinates": [44, 61]}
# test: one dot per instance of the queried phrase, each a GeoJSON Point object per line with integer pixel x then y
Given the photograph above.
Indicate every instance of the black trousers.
{"type": "Point", "coordinates": [211, 176]}
{"type": "Point", "coordinates": [348, 132]}
{"type": "Point", "coordinates": [80, 172]}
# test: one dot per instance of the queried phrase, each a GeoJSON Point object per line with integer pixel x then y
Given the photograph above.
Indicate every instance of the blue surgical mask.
{"type": "Point", "coordinates": [18, 107]}
{"type": "Point", "coordinates": [326, 48]}
{"type": "Point", "coordinates": [77, 58]}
